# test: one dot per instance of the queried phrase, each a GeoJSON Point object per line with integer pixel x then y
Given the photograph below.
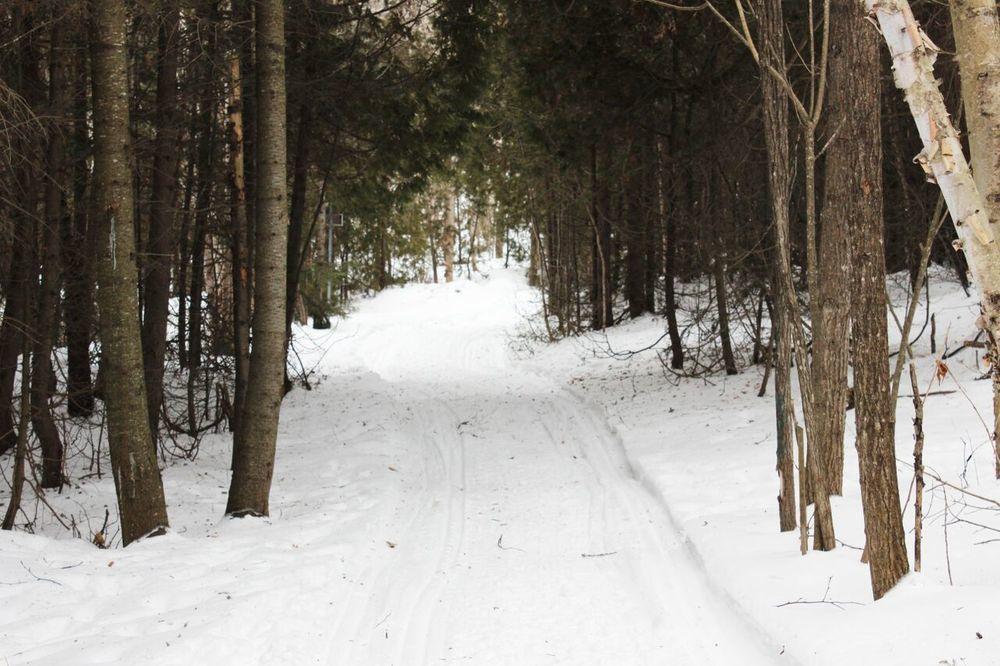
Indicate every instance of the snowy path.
{"type": "Point", "coordinates": [435, 501]}
{"type": "Point", "coordinates": [531, 542]}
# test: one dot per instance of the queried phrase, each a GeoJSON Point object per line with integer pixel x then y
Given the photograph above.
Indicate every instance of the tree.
{"type": "Point", "coordinates": [776, 129]}
{"type": "Point", "coordinates": [854, 177]}
{"type": "Point", "coordinates": [141, 504]}
{"type": "Point", "coordinates": [159, 250]}
{"type": "Point", "coordinates": [942, 157]}
{"type": "Point", "coordinates": [977, 42]}
{"type": "Point", "coordinates": [46, 311]}
{"type": "Point", "coordinates": [253, 457]}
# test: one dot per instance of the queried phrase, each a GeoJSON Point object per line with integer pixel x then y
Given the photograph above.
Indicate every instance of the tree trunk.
{"type": "Point", "coordinates": [79, 246]}
{"type": "Point", "coordinates": [141, 505]}
{"type": "Point", "coordinates": [46, 312]}
{"type": "Point", "coordinates": [855, 72]}
{"type": "Point", "coordinates": [11, 331]}
{"type": "Point", "coordinates": [253, 466]}
{"type": "Point", "coordinates": [160, 255]}
{"type": "Point", "coordinates": [776, 129]}
{"type": "Point", "coordinates": [448, 239]}
{"type": "Point", "coordinates": [600, 269]}
{"type": "Point", "coordinates": [719, 269]}
{"type": "Point", "coordinates": [635, 238]}
{"type": "Point", "coordinates": [942, 157]}
{"type": "Point", "coordinates": [240, 258]}
{"type": "Point", "coordinates": [21, 446]}
{"type": "Point", "coordinates": [670, 217]}
{"type": "Point", "coordinates": [977, 42]}
{"type": "Point", "coordinates": [831, 310]}
{"type": "Point", "coordinates": [296, 225]}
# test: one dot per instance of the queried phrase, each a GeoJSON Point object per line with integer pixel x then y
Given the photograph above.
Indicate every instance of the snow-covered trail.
{"type": "Point", "coordinates": [530, 542]}
{"type": "Point", "coordinates": [435, 500]}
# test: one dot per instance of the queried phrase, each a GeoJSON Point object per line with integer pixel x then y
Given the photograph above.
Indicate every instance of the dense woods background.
{"type": "Point", "coordinates": [184, 179]}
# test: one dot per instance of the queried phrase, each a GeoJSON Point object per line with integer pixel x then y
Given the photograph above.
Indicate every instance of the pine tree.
{"type": "Point", "coordinates": [141, 504]}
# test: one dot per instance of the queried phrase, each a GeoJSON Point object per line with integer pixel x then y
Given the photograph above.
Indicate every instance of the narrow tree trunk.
{"type": "Point", "coordinates": [141, 505]}
{"type": "Point", "coordinates": [156, 286]}
{"type": "Point", "coordinates": [184, 248]}
{"type": "Point", "coordinates": [823, 532]}
{"type": "Point", "coordinates": [46, 312]}
{"type": "Point", "coordinates": [855, 70]}
{"type": "Point", "coordinates": [652, 228]}
{"type": "Point", "coordinates": [448, 239]}
{"type": "Point", "coordinates": [497, 230]}
{"type": "Point", "coordinates": [79, 246]}
{"type": "Point", "coordinates": [776, 129]}
{"type": "Point", "coordinates": [600, 290]}
{"type": "Point", "coordinates": [12, 329]}
{"type": "Point", "coordinates": [670, 217]}
{"type": "Point", "coordinates": [240, 259]}
{"type": "Point", "coordinates": [918, 468]}
{"type": "Point", "coordinates": [722, 300]}
{"type": "Point", "coordinates": [831, 310]}
{"type": "Point", "coordinates": [296, 225]}
{"type": "Point", "coordinates": [253, 466]}
{"type": "Point", "coordinates": [21, 446]}
{"type": "Point", "coordinates": [635, 239]}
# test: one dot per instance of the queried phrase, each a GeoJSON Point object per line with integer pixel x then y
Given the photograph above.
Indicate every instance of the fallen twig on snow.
{"type": "Point", "coordinates": [824, 600]}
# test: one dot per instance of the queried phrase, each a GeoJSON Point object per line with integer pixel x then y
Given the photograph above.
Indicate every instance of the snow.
{"type": "Point", "coordinates": [454, 491]}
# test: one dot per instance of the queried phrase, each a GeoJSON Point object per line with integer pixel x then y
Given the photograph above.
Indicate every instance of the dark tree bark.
{"type": "Point", "coordinates": [776, 130]}
{"type": "Point", "coordinates": [831, 311]}
{"type": "Point", "coordinates": [21, 446]}
{"type": "Point", "coordinates": [46, 311]}
{"type": "Point", "coordinates": [25, 179]}
{"type": "Point", "coordinates": [240, 257]}
{"type": "Point", "coordinates": [635, 238]}
{"type": "Point", "coordinates": [79, 245]}
{"type": "Point", "coordinates": [855, 70]}
{"type": "Point", "coordinates": [12, 330]}
{"type": "Point", "coordinates": [601, 295]}
{"type": "Point", "coordinates": [722, 300]}
{"type": "Point", "coordinates": [141, 506]}
{"type": "Point", "coordinates": [296, 225]}
{"type": "Point", "coordinates": [162, 235]}
{"type": "Point", "coordinates": [253, 466]}
{"type": "Point", "coordinates": [670, 217]}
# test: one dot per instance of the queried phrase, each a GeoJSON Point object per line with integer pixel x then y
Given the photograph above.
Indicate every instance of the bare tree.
{"type": "Point", "coordinates": [855, 81]}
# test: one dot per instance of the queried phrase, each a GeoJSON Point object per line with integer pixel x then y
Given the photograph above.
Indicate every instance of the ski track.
{"type": "Point", "coordinates": [435, 501]}
{"type": "Point", "coordinates": [534, 542]}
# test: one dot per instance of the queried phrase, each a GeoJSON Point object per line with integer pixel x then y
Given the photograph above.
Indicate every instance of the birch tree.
{"type": "Point", "coordinates": [942, 158]}
{"type": "Point", "coordinates": [977, 45]}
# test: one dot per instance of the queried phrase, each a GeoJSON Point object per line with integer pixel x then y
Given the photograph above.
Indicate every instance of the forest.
{"type": "Point", "coordinates": [502, 331]}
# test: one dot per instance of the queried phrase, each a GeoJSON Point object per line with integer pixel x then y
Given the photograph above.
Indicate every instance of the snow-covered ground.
{"type": "Point", "coordinates": [442, 498]}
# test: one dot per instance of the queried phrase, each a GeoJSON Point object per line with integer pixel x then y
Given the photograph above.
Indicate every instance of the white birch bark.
{"type": "Point", "coordinates": [977, 46]}
{"type": "Point", "coordinates": [913, 56]}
